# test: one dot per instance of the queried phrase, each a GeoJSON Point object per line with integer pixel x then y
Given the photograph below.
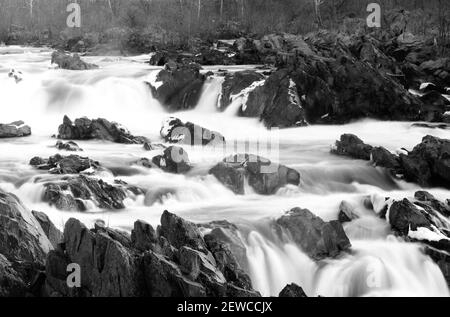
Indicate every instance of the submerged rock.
{"type": "Point", "coordinates": [70, 62]}
{"type": "Point", "coordinates": [59, 164]}
{"type": "Point", "coordinates": [178, 132]}
{"type": "Point", "coordinates": [68, 146]}
{"type": "Point", "coordinates": [263, 176]}
{"type": "Point", "coordinates": [14, 130]}
{"type": "Point", "coordinates": [98, 129]}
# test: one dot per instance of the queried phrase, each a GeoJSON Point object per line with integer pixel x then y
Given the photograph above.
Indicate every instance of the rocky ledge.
{"type": "Point", "coordinates": [98, 129]}
{"type": "Point", "coordinates": [428, 164]}
{"type": "Point", "coordinates": [70, 62]}
{"type": "Point", "coordinates": [14, 130]}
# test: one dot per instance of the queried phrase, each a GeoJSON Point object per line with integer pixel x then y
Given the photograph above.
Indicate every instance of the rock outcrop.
{"type": "Point", "coordinates": [72, 164]}
{"type": "Point", "coordinates": [70, 62]}
{"type": "Point", "coordinates": [98, 129]}
{"type": "Point", "coordinates": [264, 176]}
{"type": "Point", "coordinates": [14, 130]}
{"type": "Point", "coordinates": [177, 132]}
{"type": "Point", "coordinates": [235, 83]}
{"type": "Point", "coordinates": [294, 291]}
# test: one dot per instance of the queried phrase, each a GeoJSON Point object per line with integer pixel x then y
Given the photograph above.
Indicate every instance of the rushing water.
{"type": "Point", "coordinates": [379, 265]}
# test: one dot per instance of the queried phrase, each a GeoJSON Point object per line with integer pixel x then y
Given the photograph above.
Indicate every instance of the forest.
{"type": "Point", "coordinates": [178, 21]}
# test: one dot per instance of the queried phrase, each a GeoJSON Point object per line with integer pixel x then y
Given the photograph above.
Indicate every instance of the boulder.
{"type": "Point", "coordinates": [178, 86]}
{"type": "Point", "coordinates": [428, 164]}
{"type": "Point", "coordinates": [14, 130]}
{"type": "Point", "coordinates": [177, 132]}
{"type": "Point", "coordinates": [68, 146]}
{"type": "Point", "coordinates": [53, 234]}
{"type": "Point", "coordinates": [11, 283]}
{"type": "Point", "coordinates": [235, 83]}
{"type": "Point", "coordinates": [174, 160]}
{"type": "Point", "coordinates": [59, 164]}
{"type": "Point", "coordinates": [98, 129]}
{"type": "Point", "coordinates": [294, 291]}
{"type": "Point", "coordinates": [352, 146]}
{"type": "Point", "coordinates": [317, 238]}
{"type": "Point", "coordinates": [265, 177]}
{"type": "Point", "coordinates": [143, 236]}
{"type": "Point", "coordinates": [72, 193]}
{"type": "Point", "coordinates": [70, 62]}
{"type": "Point", "coordinates": [405, 216]}
{"type": "Point", "coordinates": [347, 212]}
{"type": "Point", "coordinates": [276, 103]}
{"type": "Point", "coordinates": [383, 158]}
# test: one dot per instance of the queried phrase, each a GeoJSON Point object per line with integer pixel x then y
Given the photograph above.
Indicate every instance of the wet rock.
{"type": "Point", "coordinates": [53, 234]}
{"type": "Point", "coordinates": [174, 160]}
{"type": "Point", "coordinates": [405, 216]}
{"type": "Point", "coordinates": [180, 232]}
{"type": "Point", "coordinates": [72, 193]}
{"type": "Point", "coordinates": [98, 129]}
{"type": "Point", "coordinates": [178, 132]}
{"type": "Point", "coordinates": [428, 164]}
{"type": "Point", "coordinates": [276, 103]}
{"type": "Point", "coordinates": [352, 146]}
{"type": "Point", "coordinates": [16, 74]}
{"type": "Point", "coordinates": [194, 263]}
{"type": "Point", "coordinates": [426, 199]}
{"type": "Point", "coordinates": [153, 147]}
{"type": "Point", "coordinates": [14, 130]}
{"type": "Point", "coordinates": [21, 236]}
{"type": "Point", "coordinates": [317, 238]}
{"type": "Point", "coordinates": [68, 146]}
{"type": "Point", "coordinates": [347, 212]}
{"type": "Point", "coordinates": [70, 62]}
{"type": "Point", "coordinates": [178, 86]}
{"type": "Point", "coordinates": [235, 83]}
{"type": "Point", "coordinates": [59, 164]}
{"type": "Point", "coordinates": [11, 283]}
{"type": "Point", "coordinates": [382, 157]}
{"type": "Point", "coordinates": [263, 176]}
{"type": "Point", "coordinates": [293, 290]}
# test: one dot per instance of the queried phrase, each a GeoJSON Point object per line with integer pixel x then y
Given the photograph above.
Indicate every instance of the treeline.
{"type": "Point", "coordinates": [180, 20]}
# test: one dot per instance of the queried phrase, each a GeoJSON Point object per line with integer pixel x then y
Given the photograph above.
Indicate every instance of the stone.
{"type": "Point", "coordinates": [14, 130]}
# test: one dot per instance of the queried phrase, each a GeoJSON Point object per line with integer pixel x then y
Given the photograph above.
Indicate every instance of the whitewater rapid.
{"type": "Point", "coordinates": [379, 265]}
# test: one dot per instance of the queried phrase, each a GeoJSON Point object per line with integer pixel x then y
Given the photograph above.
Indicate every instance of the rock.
{"type": "Point", "coordinates": [195, 263]}
{"type": "Point", "coordinates": [263, 176]}
{"type": "Point", "coordinates": [347, 212]}
{"type": "Point", "coordinates": [99, 129]}
{"type": "Point", "coordinates": [70, 62]}
{"type": "Point", "coordinates": [14, 130]}
{"type": "Point", "coordinates": [11, 283]}
{"type": "Point", "coordinates": [143, 236]}
{"type": "Point", "coordinates": [59, 164]}
{"type": "Point", "coordinates": [293, 290]}
{"type": "Point", "coordinates": [426, 199]}
{"type": "Point", "coordinates": [180, 232]}
{"type": "Point", "coordinates": [405, 216]}
{"type": "Point", "coordinates": [145, 162]}
{"type": "Point", "coordinates": [235, 83]}
{"type": "Point", "coordinates": [72, 193]}
{"type": "Point", "coordinates": [21, 236]}
{"type": "Point", "coordinates": [178, 132]}
{"type": "Point", "coordinates": [428, 164]}
{"type": "Point", "coordinates": [317, 238]}
{"type": "Point", "coordinates": [174, 160]}
{"type": "Point", "coordinates": [16, 74]}
{"type": "Point", "coordinates": [52, 233]}
{"type": "Point", "coordinates": [153, 147]}
{"type": "Point", "coordinates": [352, 146]}
{"type": "Point", "coordinates": [383, 158]}
{"type": "Point", "coordinates": [68, 146]}
{"type": "Point", "coordinates": [178, 86]}
{"type": "Point", "coordinates": [276, 103]}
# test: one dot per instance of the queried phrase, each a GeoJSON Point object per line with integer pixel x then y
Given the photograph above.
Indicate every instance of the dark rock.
{"type": "Point", "coordinates": [293, 290]}
{"type": "Point", "coordinates": [276, 103]}
{"type": "Point", "coordinates": [68, 146]}
{"type": "Point", "coordinates": [70, 194]}
{"type": "Point", "coordinates": [180, 86]}
{"type": "Point", "coordinates": [14, 130]}
{"type": "Point", "coordinates": [427, 199]}
{"type": "Point", "coordinates": [428, 163]}
{"type": "Point", "coordinates": [264, 176]}
{"type": "Point", "coordinates": [11, 283]}
{"type": "Point", "coordinates": [352, 146]}
{"type": "Point", "coordinates": [383, 158]}
{"type": "Point", "coordinates": [143, 236]}
{"type": "Point", "coordinates": [180, 232]}
{"type": "Point", "coordinates": [53, 234]}
{"type": "Point", "coordinates": [70, 62]}
{"type": "Point", "coordinates": [99, 129]}
{"type": "Point", "coordinates": [174, 160]}
{"type": "Point", "coordinates": [59, 164]}
{"type": "Point", "coordinates": [235, 83]}
{"type": "Point", "coordinates": [317, 238]}
{"type": "Point", "coordinates": [405, 216]}
{"type": "Point", "coordinates": [178, 132]}
{"type": "Point", "coordinates": [347, 212]}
